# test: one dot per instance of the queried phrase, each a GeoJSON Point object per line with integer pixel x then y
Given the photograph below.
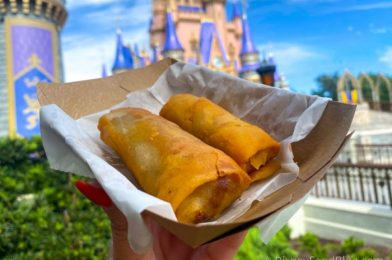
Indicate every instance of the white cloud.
{"type": "Point", "coordinates": [381, 30]}
{"type": "Point", "coordinates": [85, 50]}
{"type": "Point", "coordinates": [126, 15]}
{"type": "Point", "coordinates": [83, 58]}
{"type": "Point", "coordinates": [382, 5]}
{"type": "Point", "coordinates": [71, 4]}
{"type": "Point", "coordinates": [312, 1]}
{"type": "Point", "coordinates": [386, 57]}
{"type": "Point", "coordinates": [290, 56]}
{"type": "Point", "coordinates": [363, 7]}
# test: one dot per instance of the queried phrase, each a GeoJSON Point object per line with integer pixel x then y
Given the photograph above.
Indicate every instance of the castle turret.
{"type": "Point", "coordinates": [208, 35]}
{"type": "Point", "coordinates": [216, 11]}
{"type": "Point", "coordinates": [104, 73]}
{"type": "Point", "coordinates": [128, 55]}
{"type": "Point", "coordinates": [29, 53]}
{"type": "Point", "coordinates": [122, 60]}
{"type": "Point", "coordinates": [155, 54]}
{"type": "Point", "coordinates": [249, 54]}
{"type": "Point", "coordinates": [236, 11]}
{"type": "Point", "coordinates": [172, 46]}
{"type": "Point", "coordinates": [267, 70]}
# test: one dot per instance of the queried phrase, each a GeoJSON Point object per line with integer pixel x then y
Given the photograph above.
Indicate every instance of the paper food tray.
{"type": "Point", "coordinates": [314, 153]}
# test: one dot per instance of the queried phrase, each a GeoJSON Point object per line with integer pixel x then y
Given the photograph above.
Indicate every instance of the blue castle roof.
{"type": "Point", "coordinates": [236, 11]}
{"type": "Point", "coordinates": [139, 56]}
{"type": "Point", "coordinates": [154, 56]}
{"type": "Point", "coordinates": [121, 60]}
{"type": "Point", "coordinates": [128, 54]}
{"type": "Point", "coordinates": [171, 39]}
{"type": "Point", "coordinates": [104, 73]}
{"type": "Point", "coordinates": [207, 33]}
{"type": "Point", "coordinates": [248, 45]}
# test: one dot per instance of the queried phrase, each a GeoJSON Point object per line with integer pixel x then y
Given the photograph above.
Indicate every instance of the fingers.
{"type": "Point", "coordinates": [94, 193]}
{"type": "Point", "coordinates": [227, 247]}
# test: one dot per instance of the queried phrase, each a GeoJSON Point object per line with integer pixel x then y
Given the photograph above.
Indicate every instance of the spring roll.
{"type": "Point", "coordinates": [198, 180]}
{"type": "Point", "coordinates": [250, 146]}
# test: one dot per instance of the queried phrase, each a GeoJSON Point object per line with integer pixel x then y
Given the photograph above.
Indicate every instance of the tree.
{"type": "Point", "coordinates": [327, 86]}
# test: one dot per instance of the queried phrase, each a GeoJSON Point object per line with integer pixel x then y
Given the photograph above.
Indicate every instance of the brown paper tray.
{"type": "Point", "coordinates": [314, 154]}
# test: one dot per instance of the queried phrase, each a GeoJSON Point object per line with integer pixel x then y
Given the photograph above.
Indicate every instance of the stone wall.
{"type": "Point", "coordinates": [337, 219]}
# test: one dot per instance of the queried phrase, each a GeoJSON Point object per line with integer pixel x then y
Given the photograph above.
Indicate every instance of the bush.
{"type": "Point", "coordinates": [44, 217]}
{"type": "Point", "coordinates": [278, 247]}
{"type": "Point", "coordinates": [311, 244]}
{"type": "Point", "coordinates": [351, 245]}
{"type": "Point", "coordinates": [42, 214]}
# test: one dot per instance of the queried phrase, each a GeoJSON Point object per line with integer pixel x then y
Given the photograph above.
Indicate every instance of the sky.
{"type": "Point", "coordinates": [307, 37]}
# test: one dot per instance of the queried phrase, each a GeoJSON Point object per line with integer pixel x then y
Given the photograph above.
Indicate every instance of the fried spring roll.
{"type": "Point", "coordinates": [250, 146]}
{"type": "Point", "coordinates": [198, 180]}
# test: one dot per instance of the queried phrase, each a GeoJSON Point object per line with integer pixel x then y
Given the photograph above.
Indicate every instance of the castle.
{"type": "Point", "coordinates": [194, 31]}
{"type": "Point", "coordinates": [29, 52]}
{"type": "Point", "coordinates": [199, 32]}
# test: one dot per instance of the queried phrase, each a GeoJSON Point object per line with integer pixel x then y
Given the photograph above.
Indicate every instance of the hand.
{"type": "Point", "coordinates": [165, 244]}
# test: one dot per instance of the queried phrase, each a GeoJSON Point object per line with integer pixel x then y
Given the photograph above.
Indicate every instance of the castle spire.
{"type": "Point", "coordinates": [248, 45]}
{"type": "Point", "coordinates": [249, 54]}
{"type": "Point", "coordinates": [121, 62]}
{"type": "Point", "coordinates": [104, 73]}
{"type": "Point", "coordinates": [154, 57]}
{"type": "Point", "coordinates": [172, 46]}
{"type": "Point", "coordinates": [236, 10]}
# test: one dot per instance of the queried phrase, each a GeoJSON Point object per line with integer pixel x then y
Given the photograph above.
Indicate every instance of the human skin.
{"type": "Point", "coordinates": [165, 245]}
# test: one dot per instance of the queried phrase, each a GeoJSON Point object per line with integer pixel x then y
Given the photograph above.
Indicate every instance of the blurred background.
{"type": "Point", "coordinates": [332, 48]}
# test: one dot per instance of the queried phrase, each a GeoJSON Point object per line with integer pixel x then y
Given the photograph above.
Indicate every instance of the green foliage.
{"type": "Point", "coordinates": [351, 245]}
{"type": "Point", "coordinates": [311, 243]}
{"type": "Point", "coordinates": [42, 214]}
{"type": "Point", "coordinates": [364, 254]}
{"type": "Point", "coordinates": [326, 86]}
{"type": "Point", "coordinates": [279, 246]}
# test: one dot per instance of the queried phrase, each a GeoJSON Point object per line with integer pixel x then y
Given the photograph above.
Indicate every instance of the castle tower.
{"type": "Point", "coordinates": [104, 74]}
{"type": "Point", "coordinates": [157, 24]}
{"type": "Point", "coordinates": [200, 32]}
{"type": "Point", "coordinates": [249, 54]}
{"type": "Point", "coordinates": [29, 53]}
{"type": "Point", "coordinates": [172, 46]}
{"type": "Point", "coordinates": [216, 11]}
{"type": "Point", "coordinates": [155, 53]}
{"type": "Point", "coordinates": [123, 59]}
{"type": "Point", "coordinates": [267, 70]}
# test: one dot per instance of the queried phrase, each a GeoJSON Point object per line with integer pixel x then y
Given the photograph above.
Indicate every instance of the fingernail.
{"type": "Point", "coordinates": [96, 194]}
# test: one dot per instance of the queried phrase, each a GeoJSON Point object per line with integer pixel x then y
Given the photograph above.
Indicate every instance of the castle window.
{"type": "Point", "coordinates": [218, 62]}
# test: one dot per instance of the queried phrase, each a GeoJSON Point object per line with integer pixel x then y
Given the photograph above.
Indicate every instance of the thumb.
{"type": "Point", "coordinates": [94, 192]}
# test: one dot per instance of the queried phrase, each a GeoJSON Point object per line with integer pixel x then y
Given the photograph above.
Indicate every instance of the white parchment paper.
{"type": "Point", "coordinates": [74, 145]}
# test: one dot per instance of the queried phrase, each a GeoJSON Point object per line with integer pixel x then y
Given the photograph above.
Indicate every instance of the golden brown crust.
{"type": "Point", "coordinates": [222, 130]}
{"type": "Point", "coordinates": [169, 163]}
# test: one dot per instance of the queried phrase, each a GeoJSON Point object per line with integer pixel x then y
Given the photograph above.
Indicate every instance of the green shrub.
{"type": "Point", "coordinates": [311, 244]}
{"type": "Point", "coordinates": [254, 248]}
{"type": "Point", "coordinates": [350, 246]}
{"type": "Point", "coordinates": [364, 254]}
{"type": "Point", "coordinates": [42, 216]}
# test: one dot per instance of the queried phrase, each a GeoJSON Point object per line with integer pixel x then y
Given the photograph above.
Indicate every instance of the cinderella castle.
{"type": "Point", "coordinates": [200, 32]}
{"type": "Point", "coordinates": [194, 31]}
